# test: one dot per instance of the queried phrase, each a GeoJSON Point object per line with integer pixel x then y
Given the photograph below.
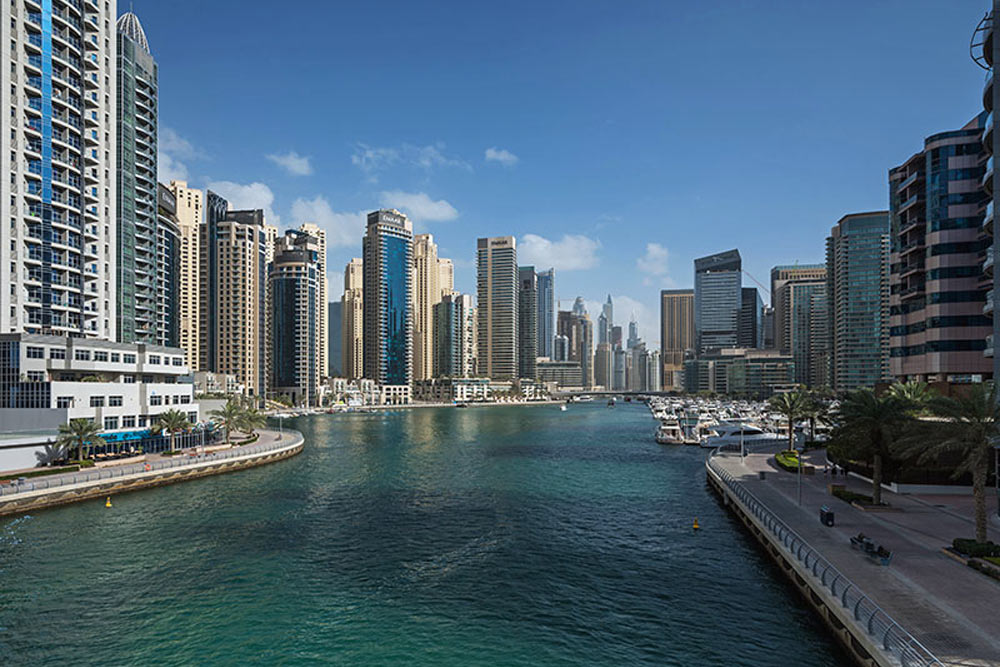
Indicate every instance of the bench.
{"type": "Point", "coordinates": [869, 548]}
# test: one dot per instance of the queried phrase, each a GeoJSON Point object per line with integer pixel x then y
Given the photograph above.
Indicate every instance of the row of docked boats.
{"type": "Point", "coordinates": [719, 423]}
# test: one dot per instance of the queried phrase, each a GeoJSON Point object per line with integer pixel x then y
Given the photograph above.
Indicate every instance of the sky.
{"type": "Point", "coordinates": [616, 140]}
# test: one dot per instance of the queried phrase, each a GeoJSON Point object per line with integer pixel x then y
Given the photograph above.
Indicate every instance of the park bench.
{"type": "Point", "coordinates": [874, 551]}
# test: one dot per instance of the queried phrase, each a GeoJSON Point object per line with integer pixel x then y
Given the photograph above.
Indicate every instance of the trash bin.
{"type": "Point", "coordinates": [826, 516]}
{"type": "Point", "coordinates": [761, 474]}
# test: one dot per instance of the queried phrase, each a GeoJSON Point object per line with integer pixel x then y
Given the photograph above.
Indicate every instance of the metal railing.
{"type": "Point", "coordinates": [877, 624]}
{"type": "Point", "coordinates": [288, 439]}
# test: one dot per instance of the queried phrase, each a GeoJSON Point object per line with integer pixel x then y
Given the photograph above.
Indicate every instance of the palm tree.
{"type": "Point", "coordinates": [917, 395]}
{"type": "Point", "coordinates": [866, 426]}
{"type": "Point", "coordinates": [171, 422]}
{"type": "Point", "coordinates": [971, 431]}
{"type": "Point", "coordinates": [791, 405]}
{"type": "Point", "coordinates": [815, 409]}
{"type": "Point", "coordinates": [80, 434]}
{"type": "Point", "coordinates": [230, 416]}
{"type": "Point", "coordinates": [252, 419]}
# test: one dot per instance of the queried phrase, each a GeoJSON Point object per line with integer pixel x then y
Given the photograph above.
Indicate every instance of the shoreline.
{"type": "Point", "coordinates": [418, 405]}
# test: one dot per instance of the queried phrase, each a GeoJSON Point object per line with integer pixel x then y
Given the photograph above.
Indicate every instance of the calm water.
{"type": "Point", "coordinates": [504, 536]}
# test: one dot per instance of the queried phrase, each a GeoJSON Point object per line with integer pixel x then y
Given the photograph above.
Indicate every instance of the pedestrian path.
{"type": "Point", "coordinates": [950, 608]}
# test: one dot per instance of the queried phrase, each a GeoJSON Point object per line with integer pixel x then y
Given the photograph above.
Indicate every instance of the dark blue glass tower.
{"type": "Point", "coordinates": [388, 307]}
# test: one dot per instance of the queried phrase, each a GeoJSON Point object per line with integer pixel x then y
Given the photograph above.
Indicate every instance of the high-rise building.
{"type": "Point", "coordinates": [546, 313]}
{"type": "Point", "coordinates": [190, 205]}
{"type": "Point", "coordinates": [446, 276]}
{"type": "Point", "coordinates": [579, 307]}
{"type": "Point", "coordinates": [454, 334]}
{"type": "Point", "coordinates": [779, 276]}
{"type": "Point", "coordinates": [318, 233]}
{"type": "Point", "coordinates": [768, 317]}
{"type": "Point", "coordinates": [216, 209]}
{"type": "Point", "coordinates": [751, 324]}
{"type": "Point", "coordinates": [605, 321]}
{"type": "Point", "coordinates": [426, 294]}
{"type": "Point", "coordinates": [334, 352]}
{"type": "Point", "coordinates": [168, 265]}
{"type": "Point", "coordinates": [636, 373]}
{"type": "Point", "coordinates": [136, 208]}
{"type": "Point", "coordinates": [718, 299]}
{"type": "Point", "coordinates": [603, 359]}
{"type": "Point", "coordinates": [857, 265]}
{"type": "Point", "coordinates": [497, 287]}
{"type": "Point", "coordinates": [616, 336]}
{"type": "Point", "coordinates": [654, 371]}
{"type": "Point", "coordinates": [740, 372]}
{"type": "Point", "coordinates": [241, 326]}
{"type": "Point", "coordinates": [807, 326]}
{"type": "Point", "coordinates": [986, 52]}
{"type": "Point", "coordinates": [676, 334]}
{"type": "Point", "coordinates": [937, 293]}
{"type": "Point", "coordinates": [295, 312]}
{"type": "Point", "coordinates": [560, 347]}
{"type": "Point", "coordinates": [633, 334]}
{"type": "Point", "coordinates": [353, 323]}
{"type": "Point", "coordinates": [578, 330]}
{"type": "Point", "coordinates": [388, 298]}
{"type": "Point", "coordinates": [527, 321]}
{"type": "Point", "coordinates": [57, 240]}
{"type": "Point", "coordinates": [619, 367]}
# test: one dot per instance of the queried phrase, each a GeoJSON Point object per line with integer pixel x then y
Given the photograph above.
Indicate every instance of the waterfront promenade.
{"type": "Point", "coordinates": [948, 607]}
{"type": "Point", "coordinates": [156, 470]}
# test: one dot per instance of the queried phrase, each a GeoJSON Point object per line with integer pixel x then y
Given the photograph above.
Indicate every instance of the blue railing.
{"type": "Point", "coordinates": [289, 439]}
{"type": "Point", "coordinates": [875, 622]}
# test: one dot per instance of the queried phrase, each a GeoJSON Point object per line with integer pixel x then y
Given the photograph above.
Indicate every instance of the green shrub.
{"type": "Point", "coordinates": [173, 452]}
{"type": "Point", "coordinates": [993, 559]}
{"type": "Point", "coordinates": [975, 549]}
{"type": "Point", "coordinates": [852, 497]}
{"type": "Point", "coordinates": [42, 473]}
{"type": "Point", "coordinates": [86, 463]}
{"type": "Point", "coordinates": [985, 569]}
{"type": "Point", "coordinates": [787, 460]}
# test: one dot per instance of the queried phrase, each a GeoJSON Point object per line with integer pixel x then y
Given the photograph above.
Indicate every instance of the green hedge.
{"type": "Point", "coordinates": [852, 497]}
{"type": "Point", "coordinates": [787, 461]}
{"type": "Point", "coordinates": [985, 569]}
{"type": "Point", "coordinates": [43, 472]}
{"type": "Point", "coordinates": [975, 549]}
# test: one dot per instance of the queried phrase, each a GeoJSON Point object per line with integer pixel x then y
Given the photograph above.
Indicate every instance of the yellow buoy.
{"type": "Point", "coordinates": [696, 526]}
{"type": "Point", "coordinates": [107, 503]}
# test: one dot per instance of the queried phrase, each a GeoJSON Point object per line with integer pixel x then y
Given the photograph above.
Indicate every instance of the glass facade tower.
{"type": "Point", "coordinates": [718, 300]}
{"type": "Point", "coordinates": [546, 313]}
{"type": "Point", "coordinates": [388, 298]}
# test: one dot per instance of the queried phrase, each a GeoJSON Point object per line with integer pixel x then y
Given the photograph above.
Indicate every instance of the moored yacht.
{"type": "Point", "coordinates": [737, 434]}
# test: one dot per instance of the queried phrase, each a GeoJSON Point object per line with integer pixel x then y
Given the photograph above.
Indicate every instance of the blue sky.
{"type": "Point", "coordinates": [617, 140]}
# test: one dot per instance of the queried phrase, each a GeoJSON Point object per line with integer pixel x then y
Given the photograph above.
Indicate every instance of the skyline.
{"type": "Point", "coordinates": [492, 146]}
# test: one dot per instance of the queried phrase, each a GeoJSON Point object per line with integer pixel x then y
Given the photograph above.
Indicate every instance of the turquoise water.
{"type": "Point", "coordinates": [501, 536]}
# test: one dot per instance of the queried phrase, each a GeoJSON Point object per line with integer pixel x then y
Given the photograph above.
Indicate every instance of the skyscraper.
{"type": "Point", "coordinates": [426, 293]}
{"type": "Point", "coordinates": [446, 276]}
{"type": "Point", "coordinates": [388, 298]}
{"type": "Point", "coordinates": [137, 234]}
{"type": "Point", "coordinates": [190, 205]}
{"type": "Point", "coordinates": [676, 334]}
{"type": "Point", "coordinates": [857, 265]}
{"type": "Point", "coordinates": [603, 361]}
{"type": "Point", "coordinates": [718, 299]}
{"type": "Point", "coordinates": [323, 285]}
{"type": "Point", "coordinates": [527, 322]}
{"type": "Point", "coordinates": [578, 330]}
{"type": "Point", "coordinates": [241, 326]}
{"type": "Point", "coordinates": [57, 244]}
{"type": "Point", "coordinates": [938, 290]}
{"type": "Point", "coordinates": [353, 321]}
{"type": "Point", "coordinates": [779, 276]}
{"type": "Point", "coordinates": [334, 353]}
{"type": "Point", "coordinates": [166, 328]}
{"type": "Point", "coordinates": [546, 313]}
{"type": "Point", "coordinates": [496, 283]}
{"type": "Point", "coordinates": [295, 312]}
{"type": "Point", "coordinates": [751, 324]}
{"type": "Point", "coordinates": [216, 209]}
{"type": "Point", "coordinates": [605, 321]}
{"type": "Point", "coordinates": [454, 334]}
{"type": "Point", "coordinates": [633, 334]}
{"type": "Point", "coordinates": [806, 328]}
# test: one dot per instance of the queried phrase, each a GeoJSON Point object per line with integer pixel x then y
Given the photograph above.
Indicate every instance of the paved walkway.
{"type": "Point", "coordinates": [950, 608]}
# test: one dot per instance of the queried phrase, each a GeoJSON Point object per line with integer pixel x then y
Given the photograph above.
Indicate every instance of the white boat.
{"type": "Point", "coordinates": [670, 433]}
{"type": "Point", "coordinates": [734, 434]}
{"type": "Point", "coordinates": [562, 408]}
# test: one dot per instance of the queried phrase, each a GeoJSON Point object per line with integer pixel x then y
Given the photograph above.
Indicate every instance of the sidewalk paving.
{"type": "Point", "coordinates": [950, 608]}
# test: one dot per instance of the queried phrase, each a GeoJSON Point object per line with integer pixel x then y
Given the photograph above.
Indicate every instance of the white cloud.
{"type": "Point", "coordinates": [654, 264]}
{"type": "Point", "coordinates": [293, 163]}
{"type": "Point", "coordinates": [572, 252]}
{"type": "Point", "coordinates": [173, 151]}
{"type": "Point", "coordinates": [419, 206]}
{"type": "Point", "coordinates": [501, 155]}
{"type": "Point", "coordinates": [343, 228]}
{"type": "Point", "coordinates": [373, 159]}
{"type": "Point", "coordinates": [249, 196]}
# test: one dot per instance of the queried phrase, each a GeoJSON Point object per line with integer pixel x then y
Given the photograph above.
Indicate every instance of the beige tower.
{"type": "Point", "coordinates": [676, 334]}
{"type": "Point", "coordinates": [426, 293]}
{"type": "Point", "coordinates": [315, 231]}
{"type": "Point", "coordinates": [352, 313]}
{"type": "Point", "coordinates": [446, 271]}
{"type": "Point", "coordinates": [190, 212]}
{"type": "Point", "coordinates": [496, 284]}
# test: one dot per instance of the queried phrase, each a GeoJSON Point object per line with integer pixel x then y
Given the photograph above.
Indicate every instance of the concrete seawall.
{"type": "Point", "coordinates": [868, 635]}
{"type": "Point", "coordinates": [97, 484]}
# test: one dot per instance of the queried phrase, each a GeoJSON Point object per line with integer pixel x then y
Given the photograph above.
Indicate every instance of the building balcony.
{"type": "Point", "coordinates": [911, 269]}
{"type": "Point", "coordinates": [911, 202]}
{"type": "Point", "coordinates": [987, 181]}
{"type": "Point", "coordinates": [988, 263]}
{"type": "Point", "coordinates": [988, 352]}
{"type": "Point", "coordinates": [988, 218]}
{"type": "Point", "coordinates": [988, 305]}
{"type": "Point", "coordinates": [909, 180]}
{"type": "Point", "coordinates": [911, 224]}
{"type": "Point", "coordinates": [912, 291]}
{"type": "Point", "coordinates": [911, 247]}
{"type": "Point", "coordinates": [988, 92]}
{"type": "Point", "coordinates": [988, 134]}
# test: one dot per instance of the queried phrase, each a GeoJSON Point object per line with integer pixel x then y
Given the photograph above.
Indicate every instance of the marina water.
{"type": "Point", "coordinates": [499, 536]}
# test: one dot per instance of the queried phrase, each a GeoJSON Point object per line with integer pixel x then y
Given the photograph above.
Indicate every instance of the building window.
{"type": "Point", "coordinates": [115, 401]}
{"type": "Point", "coordinates": [115, 357]}
{"type": "Point", "coordinates": [192, 417]}
{"type": "Point", "coordinates": [81, 355]}
{"type": "Point", "coordinates": [128, 379]}
{"type": "Point", "coordinates": [143, 420]}
{"type": "Point", "coordinates": [154, 359]}
{"type": "Point", "coordinates": [36, 376]}
{"type": "Point", "coordinates": [156, 400]}
{"type": "Point", "coordinates": [64, 402]}
{"type": "Point", "coordinates": [36, 352]}
{"type": "Point", "coordinates": [128, 358]}
{"type": "Point", "coordinates": [57, 354]}
{"type": "Point", "coordinates": [97, 401]}
{"type": "Point", "coordinates": [100, 356]}
{"type": "Point", "coordinates": [110, 423]}
{"type": "Point", "coordinates": [178, 361]}
{"type": "Point", "coordinates": [128, 422]}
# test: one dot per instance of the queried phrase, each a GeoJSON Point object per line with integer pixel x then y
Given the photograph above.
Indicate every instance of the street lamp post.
{"type": "Point", "coordinates": [801, 451]}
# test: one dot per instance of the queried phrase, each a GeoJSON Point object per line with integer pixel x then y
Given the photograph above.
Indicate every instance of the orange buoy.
{"type": "Point", "coordinates": [107, 503]}
{"type": "Point", "coordinates": [695, 526]}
